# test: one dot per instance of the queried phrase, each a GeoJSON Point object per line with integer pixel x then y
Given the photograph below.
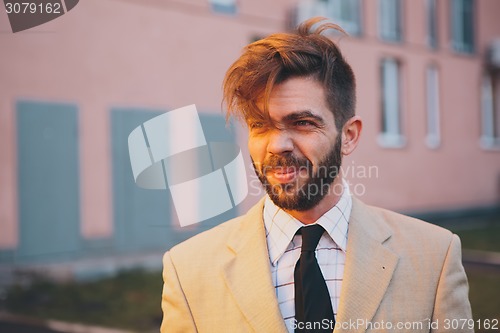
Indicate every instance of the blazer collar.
{"type": "Point", "coordinates": [368, 269]}
{"type": "Point", "coordinates": [248, 276]}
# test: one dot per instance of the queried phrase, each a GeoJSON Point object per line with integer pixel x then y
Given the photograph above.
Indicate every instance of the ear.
{"type": "Point", "coordinates": [351, 132]}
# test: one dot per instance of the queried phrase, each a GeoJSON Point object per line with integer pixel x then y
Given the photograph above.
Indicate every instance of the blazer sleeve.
{"type": "Point", "coordinates": [177, 316]}
{"type": "Point", "coordinates": [452, 305]}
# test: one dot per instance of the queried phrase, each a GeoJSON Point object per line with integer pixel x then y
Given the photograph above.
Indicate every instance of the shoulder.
{"type": "Point", "coordinates": [405, 232]}
{"type": "Point", "coordinates": [404, 223]}
{"type": "Point", "coordinates": [209, 240]}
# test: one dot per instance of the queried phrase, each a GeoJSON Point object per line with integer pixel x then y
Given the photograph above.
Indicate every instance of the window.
{"type": "Point", "coordinates": [432, 24]}
{"type": "Point", "coordinates": [433, 138]}
{"type": "Point", "coordinates": [462, 25]}
{"type": "Point", "coordinates": [224, 6]}
{"type": "Point", "coordinates": [345, 13]}
{"type": "Point", "coordinates": [490, 138]}
{"type": "Point", "coordinates": [390, 20]}
{"type": "Point", "coordinates": [391, 135]}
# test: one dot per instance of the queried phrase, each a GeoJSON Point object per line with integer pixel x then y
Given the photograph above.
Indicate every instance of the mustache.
{"type": "Point", "coordinates": [284, 161]}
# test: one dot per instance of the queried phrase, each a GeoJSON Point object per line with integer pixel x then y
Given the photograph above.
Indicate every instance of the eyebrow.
{"type": "Point", "coordinates": [303, 114]}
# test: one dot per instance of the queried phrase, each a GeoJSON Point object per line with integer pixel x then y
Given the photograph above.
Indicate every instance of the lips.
{"type": "Point", "coordinates": [283, 174]}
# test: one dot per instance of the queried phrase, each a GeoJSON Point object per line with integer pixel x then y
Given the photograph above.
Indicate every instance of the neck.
{"type": "Point", "coordinates": [328, 202]}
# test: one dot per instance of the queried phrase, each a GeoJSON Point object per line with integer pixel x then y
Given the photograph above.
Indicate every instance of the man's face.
{"type": "Point", "coordinates": [296, 153]}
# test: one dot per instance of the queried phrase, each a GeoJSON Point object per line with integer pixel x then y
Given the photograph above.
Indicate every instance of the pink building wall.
{"type": "Point", "coordinates": [167, 54]}
{"type": "Point", "coordinates": [459, 173]}
{"type": "Point", "coordinates": [105, 54]}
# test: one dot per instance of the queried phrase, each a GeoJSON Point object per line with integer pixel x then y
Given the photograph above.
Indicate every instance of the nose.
{"type": "Point", "coordinates": [280, 141]}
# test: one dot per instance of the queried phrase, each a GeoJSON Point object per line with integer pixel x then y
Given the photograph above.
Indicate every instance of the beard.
{"type": "Point", "coordinates": [292, 196]}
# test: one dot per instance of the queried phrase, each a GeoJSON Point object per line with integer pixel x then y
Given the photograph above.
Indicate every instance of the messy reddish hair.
{"type": "Point", "coordinates": [278, 57]}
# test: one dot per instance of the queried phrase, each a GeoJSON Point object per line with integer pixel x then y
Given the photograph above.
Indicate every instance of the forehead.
{"type": "Point", "coordinates": [297, 95]}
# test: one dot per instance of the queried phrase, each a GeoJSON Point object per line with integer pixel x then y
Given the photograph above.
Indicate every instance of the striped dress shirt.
{"type": "Point", "coordinates": [284, 250]}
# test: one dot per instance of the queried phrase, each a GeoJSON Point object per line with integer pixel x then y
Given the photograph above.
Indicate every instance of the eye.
{"type": "Point", "coordinates": [304, 123]}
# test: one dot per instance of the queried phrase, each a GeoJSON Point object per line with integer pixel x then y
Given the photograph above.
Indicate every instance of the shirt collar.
{"type": "Point", "coordinates": [281, 227]}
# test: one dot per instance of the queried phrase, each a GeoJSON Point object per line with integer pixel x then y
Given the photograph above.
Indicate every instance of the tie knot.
{"type": "Point", "coordinates": [310, 237]}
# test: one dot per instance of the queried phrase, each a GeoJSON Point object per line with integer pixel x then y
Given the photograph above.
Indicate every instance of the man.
{"type": "Point", "coordinates": [367, 269]}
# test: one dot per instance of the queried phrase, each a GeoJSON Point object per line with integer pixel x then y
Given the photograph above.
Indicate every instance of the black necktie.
{"type": "Point", "coordinates": [313, 307]}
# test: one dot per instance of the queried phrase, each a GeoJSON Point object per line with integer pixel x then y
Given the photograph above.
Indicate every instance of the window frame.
{"type": "Point", "coordinates": [392, 34]}
{"type": "Point", "coordinates": [458, 36]}
{"type": "Point", "coordinates": [391, 133]}
{"type": "Point", "coordinates": [433, 106]}
{"type": "Point", "coordinates": [490, 110]}
{"type": "Point", "coordinates": [352, 25]}
{"type": "Point", "coordinates": [228, 7]}
{"type": "Point", "coordinates": [432, 23]}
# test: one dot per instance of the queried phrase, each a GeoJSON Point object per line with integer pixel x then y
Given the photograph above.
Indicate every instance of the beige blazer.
{"type": "Point", "coordinates": [401, 275]}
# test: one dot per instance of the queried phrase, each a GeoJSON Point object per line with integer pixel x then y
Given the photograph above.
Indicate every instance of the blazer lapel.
{"type": "Point", "coordinates": [368, 269]}
{"type": "Point", "coordinates": [248, 276]}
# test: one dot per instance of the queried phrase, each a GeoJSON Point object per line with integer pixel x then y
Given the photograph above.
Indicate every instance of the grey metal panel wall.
{"type": "Point", "coordinates": [215, 129]}
{"type": "Point", "coordinates": [48, 181]}
{"type": "Point", "coordinates": [143, 218]}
